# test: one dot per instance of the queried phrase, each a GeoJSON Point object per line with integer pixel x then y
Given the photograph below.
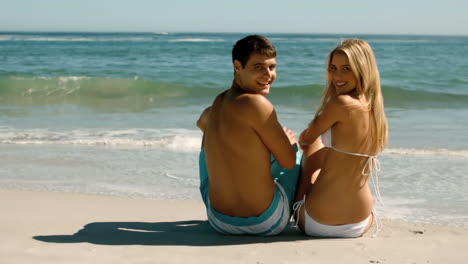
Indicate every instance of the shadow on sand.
{"type": "Point", "coordinates": [180, 233]}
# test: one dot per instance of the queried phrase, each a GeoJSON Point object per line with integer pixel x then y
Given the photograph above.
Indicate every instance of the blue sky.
{"type": "Point", "coordinates": [440, 17]}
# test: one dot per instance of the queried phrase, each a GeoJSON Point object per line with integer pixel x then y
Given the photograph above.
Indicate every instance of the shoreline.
{"type": "Point", "coordinates": [53, 227]}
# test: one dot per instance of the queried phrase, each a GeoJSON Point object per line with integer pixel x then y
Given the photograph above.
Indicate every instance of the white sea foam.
{"type": "Point", "coordinates": [6, 37]}
{"type": "Point", "coordinates": [427, 152]}
{"type": "Point", "coordinates": [336, 39]}
{"type": "Point", "coordinates": [185, 144]}
{"type": "Point", "coordinates": [172, 139]}
{"type": "Point", "coordinates": [180, 140]}
{"type": "Point", "coordinates": [70, 39]}
{"type": "Point", "coordinates": [401, 40]}
{"type": "Point", "coordinates": [72, 78]}
{"type": "Point", "coordinates": [196, 40]}
{"type": "Point", "coordinates": [305, 39]}
{"type": "Point", "coordinates": [60, 78]}
{"type": "Point", "coordinates": [322, 39]}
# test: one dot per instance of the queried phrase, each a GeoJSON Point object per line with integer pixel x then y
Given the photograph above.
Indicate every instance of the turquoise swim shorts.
{"type": "Point", "coordinates": [273, 220]}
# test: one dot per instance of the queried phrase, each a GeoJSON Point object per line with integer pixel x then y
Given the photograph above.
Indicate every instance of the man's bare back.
{"type": "Point", "coordinates": [238, 158]}
{"type": "Point", "coordinates": [241, 132]}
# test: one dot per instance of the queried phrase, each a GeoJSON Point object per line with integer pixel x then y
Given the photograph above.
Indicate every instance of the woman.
{"type": "Point", "coordinates": [340, 147]}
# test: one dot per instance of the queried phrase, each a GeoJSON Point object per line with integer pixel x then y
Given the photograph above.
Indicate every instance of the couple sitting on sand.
{"type": "Point", "coordinates": [252, 175]}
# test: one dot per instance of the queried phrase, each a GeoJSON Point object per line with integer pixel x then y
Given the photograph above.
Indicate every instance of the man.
{"type": "Point", "coordinates": [249, 164]}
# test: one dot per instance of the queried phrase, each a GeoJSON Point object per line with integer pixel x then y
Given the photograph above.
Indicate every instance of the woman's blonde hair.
{"type": "Point", "coordinates": [364, 67]}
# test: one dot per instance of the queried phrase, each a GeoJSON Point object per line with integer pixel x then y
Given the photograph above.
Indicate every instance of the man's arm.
{"type": "Point", "coordinates": [261, 115]}
{"type": "Point", "coordinates": [201, 122]}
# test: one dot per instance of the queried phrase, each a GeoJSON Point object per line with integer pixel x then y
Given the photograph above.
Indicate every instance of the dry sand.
{"type": "Point", "coordinates": [47, 227]}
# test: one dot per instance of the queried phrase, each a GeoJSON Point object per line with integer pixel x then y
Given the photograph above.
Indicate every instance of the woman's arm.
{"type": "Point", "coordinates": [331, 114]}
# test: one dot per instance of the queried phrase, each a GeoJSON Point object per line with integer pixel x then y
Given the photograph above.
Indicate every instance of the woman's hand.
{"type": "Point", "coordinates": [290, 135]}
{"type": "Point", "coordinates": [302, 139]}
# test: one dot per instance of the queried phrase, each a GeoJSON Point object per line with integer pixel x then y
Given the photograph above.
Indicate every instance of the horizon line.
{"type": "Point", "coordinates": [230, 32]}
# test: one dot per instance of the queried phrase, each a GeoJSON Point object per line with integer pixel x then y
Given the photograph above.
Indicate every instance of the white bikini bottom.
{"type": "Point", "coordinates": [316, 229]}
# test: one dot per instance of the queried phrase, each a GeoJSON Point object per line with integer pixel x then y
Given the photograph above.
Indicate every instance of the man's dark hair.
{"type": "Point", "coordinates": [252, 44]}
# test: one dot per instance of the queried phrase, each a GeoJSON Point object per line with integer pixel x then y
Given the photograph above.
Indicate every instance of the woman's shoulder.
{"type": "Point", "coordinates": [350, 102]}
{"type": "Point", "coordinates": [341, 103]}
{"type": "Point", "coordinates": [345, 99]}
{"type": "Point", "coordinates": [348, 108]}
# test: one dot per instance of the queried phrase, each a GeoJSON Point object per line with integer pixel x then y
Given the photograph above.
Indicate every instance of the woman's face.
{"type": "Point", "coordinates": [340, 74]}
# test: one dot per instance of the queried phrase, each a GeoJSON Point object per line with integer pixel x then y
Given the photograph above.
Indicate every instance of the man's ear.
{"type": "Point", "coordinates": [237, 65]}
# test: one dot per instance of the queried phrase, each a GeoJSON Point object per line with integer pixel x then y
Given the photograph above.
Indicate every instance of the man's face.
{"type": "Point", "coordinates": [257, 75]}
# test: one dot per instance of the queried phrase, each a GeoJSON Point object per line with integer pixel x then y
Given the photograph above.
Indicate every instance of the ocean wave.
{"type": "Point", "coordinates": [196, 40]}
{"type": "Point", "coordinates": [427, 152]}
{"type": "Point", "coordinates": [6, 37]}
{"type": "Point", "coordinates": [180, 140]}
{"type": "Point", "coordinates": [69, 38]}
{"type": "Point", "coordinates": [400, 40]}
{"type": "Point", "coordinates": [175, 139]}
{"type": "Point", "coordinates": [337, 39]}
{"type": "Point", "coordinates": [82, 86]}
{"type": "Point", "coordinates": [83, 89]}
{"type": "Point", "coordinates": [399, 97]}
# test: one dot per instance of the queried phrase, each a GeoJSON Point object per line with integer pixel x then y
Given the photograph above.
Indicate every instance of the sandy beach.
{"type": "Point", "coordinates": [47, 227]}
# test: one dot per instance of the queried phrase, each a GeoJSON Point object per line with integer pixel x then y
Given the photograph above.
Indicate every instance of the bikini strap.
{"type": "Point", "coordinates": [296, 211]}
{"type": "Point", "coordinates": [373, 165]}
{"type": "Point", "coordinates": [378, 223]}
{"type": "Point", "coordinates": [351, 153]}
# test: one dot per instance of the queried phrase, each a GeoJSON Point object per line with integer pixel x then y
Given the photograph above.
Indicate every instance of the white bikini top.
{"type": "Point", "coordinates": [372, 163]}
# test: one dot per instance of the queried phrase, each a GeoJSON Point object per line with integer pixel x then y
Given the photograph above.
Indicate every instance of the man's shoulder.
{"type": "Point", "coordinates": [220, 97]}
{"type": "Point", "coordinates": [253, 108]}
{"type": "Point", "coordinates": [253, 102]}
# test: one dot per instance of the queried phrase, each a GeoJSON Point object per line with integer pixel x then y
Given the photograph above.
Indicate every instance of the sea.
{"type": "Point", "coordinates": [114, 113]}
